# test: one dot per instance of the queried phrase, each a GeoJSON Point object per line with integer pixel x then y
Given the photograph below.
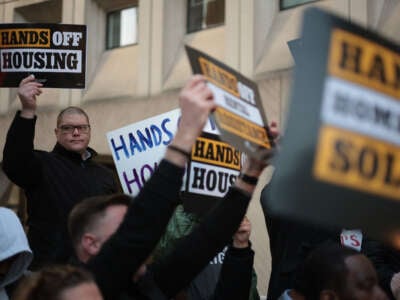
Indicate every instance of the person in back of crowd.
{"type": "Point", "coordinates": [58, 282]}
{"type": "Point", "coordinates": [386, 261]}
{"type": "Point", "coordinates": [52, 181]}
{"type": "Point", "coordinates": [332, 271]}
{"type": "Point", "coordinates": [203, 286]}
{"type": "Point", "coordinates": [15, 254]}
{"type": "Point", "coordinates": [122, 255]}
{"type": "Point", "coordinates": [235, 276]}
{"type": "Point", "coordinates": [290, 243]}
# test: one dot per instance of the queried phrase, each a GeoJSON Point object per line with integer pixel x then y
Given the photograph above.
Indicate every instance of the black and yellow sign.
{"type": "Point", "coordinates": [215, 152]}
{"type": "Point", "coordinates": [340, 162]}
{"type": "Point", "coordinates": [213, 168]}
{"type": "Point", "coordinates": [54, 53]}
{"type": "Point", "coordinates": [365, 62]}
{"type": "Point", "coordinates": [239, 116]}
{"type": "Point", "coordinates": [358, 162]}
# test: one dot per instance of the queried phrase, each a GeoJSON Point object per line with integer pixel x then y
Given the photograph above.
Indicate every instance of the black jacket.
{"type": "Point", "coordinates": [144, 224]}
{"type": "Point", "coordinates": [53, 183]}
{"type": "Point", "coordinates": [290, 242]}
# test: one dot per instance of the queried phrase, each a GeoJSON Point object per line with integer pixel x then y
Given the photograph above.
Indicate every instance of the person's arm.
{"type": "Point", "coordinates": [194, 251]}
{"type": "Point", "coordinates": [18, 157]}
{"type": "Point", "coordinates": [148, 215]}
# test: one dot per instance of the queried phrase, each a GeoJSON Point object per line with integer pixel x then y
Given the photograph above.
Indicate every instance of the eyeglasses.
{"type": "Point", "coordinates": [71, 128]}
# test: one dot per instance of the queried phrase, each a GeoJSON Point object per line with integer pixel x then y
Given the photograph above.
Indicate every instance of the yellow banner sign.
{"type": "Point", "coordinates": [357, 59]}
{"type": "Point", "coordinates": [219, 76]}
{"type": "Point", "coordinates": [216, 153]}
{"type": "Point", "coordinates": [358, 162]}
{"type": "Point", "coordinates": [25, 37]}
{"type": "Point", "coordinates": [241, 127]}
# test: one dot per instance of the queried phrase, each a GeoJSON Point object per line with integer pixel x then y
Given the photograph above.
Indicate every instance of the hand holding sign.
{"type": "Point", "coordinates": [27, 92]}
{"type": "Point", "coordinates": [196, 102]}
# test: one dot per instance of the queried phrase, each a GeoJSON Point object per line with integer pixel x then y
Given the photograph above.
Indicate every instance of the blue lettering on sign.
{"type": "Point", "coordinates": [118, 148]}
{"type": "Point", "coordinates": [212, 123]}
{"type": "Point", "coordinates": [167, 132]}
{"type": "Point", "coordinates": [138, 177]}
{"type": "Point", "coordinates": [141, 140]}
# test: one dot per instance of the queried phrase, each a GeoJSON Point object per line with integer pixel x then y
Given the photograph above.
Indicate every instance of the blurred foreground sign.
{"type": "Point", "coordinates": [54, 53]}
{"type": "Point", "coordinates": [138, 148]}
{"type": "Point", "coordinates": [240, 115]}
{"type": "Point", "coordinates": [340, 159]}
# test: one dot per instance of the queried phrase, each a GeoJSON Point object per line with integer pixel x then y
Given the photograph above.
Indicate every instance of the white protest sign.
{"type": "Point", "coordinates": [138, 148]}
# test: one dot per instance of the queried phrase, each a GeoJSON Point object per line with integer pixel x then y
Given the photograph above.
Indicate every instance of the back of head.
{"type": "Point", "coordinates": [14, 247]}
{"type": "Point", "coordinates": [50, 282]}
{"type": "Point", "coordinates": [87, 213]}
{"type": "Point", "coordinates": [324, 269]}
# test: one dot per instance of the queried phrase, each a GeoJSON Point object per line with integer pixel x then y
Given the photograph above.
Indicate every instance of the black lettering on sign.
{"type": "Point", "coordinates": [359, 162]}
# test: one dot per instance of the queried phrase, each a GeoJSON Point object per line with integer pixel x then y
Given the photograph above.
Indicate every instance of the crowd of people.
{"type": "Point", "coordinates": [86, 241]}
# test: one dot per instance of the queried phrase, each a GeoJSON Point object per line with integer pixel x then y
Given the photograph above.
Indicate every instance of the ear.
{"type": "Point", "coordinates": [90, 244]}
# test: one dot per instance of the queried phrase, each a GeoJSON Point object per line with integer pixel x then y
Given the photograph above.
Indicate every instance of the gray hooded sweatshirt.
{"type": "Point", "coordinates": [13, 241]}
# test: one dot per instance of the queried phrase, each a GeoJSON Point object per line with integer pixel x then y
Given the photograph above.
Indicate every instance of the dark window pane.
{"type": "Point", "coordinates": [122, 27]}
{"type": "Point", "coordinates": [204, 14]}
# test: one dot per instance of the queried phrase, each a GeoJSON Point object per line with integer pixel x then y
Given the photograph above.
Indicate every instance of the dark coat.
{"type": "Point", "coordinates": [386, 261]}
{"type": "Point", "coordinates": [142, 227]}
{"type": "Point", "coordinates": [290, 242]}
{"type": "Point", "coordinates": [53, 183]}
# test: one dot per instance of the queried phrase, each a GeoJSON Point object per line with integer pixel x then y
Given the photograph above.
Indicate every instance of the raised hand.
{"type": "Point", "coordinates": [27, 92]}
{"type": "Point", "coordinates": [196, 102]}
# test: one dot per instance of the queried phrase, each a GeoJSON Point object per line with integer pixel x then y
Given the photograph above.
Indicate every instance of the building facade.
{"type": "Point", "coordinates": [136, 62]}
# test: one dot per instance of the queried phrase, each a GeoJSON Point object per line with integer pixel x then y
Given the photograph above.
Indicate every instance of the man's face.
{"type": "Point", "coordinates": [73, 132]}
{"type": "Point", "coordinates": [362, 281]}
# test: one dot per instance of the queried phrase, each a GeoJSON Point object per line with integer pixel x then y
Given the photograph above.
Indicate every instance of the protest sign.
{"type": "Point", "coordinates": [240, 115]}
{"type": "Point", "coordinates": [138, 148]}
{"type": "Point", "coordinates": [339, 163]}
{"type": "Point", "coordinates": [54, 53]}
{"type": "Point", "coordinates": [213, 168]}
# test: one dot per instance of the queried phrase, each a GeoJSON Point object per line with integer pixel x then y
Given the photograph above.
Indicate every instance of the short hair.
{"type": "Point", "coordinates": [50, 282]}
{"type": "Point", "coordinates": [71, 110]}
{"type": "Point", "coordinates": [86, 213]}
{"type": "Point", "coordinates": [324, 268]}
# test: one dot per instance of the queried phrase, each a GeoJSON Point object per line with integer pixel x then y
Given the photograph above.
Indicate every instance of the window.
{"type": "Point", "coordinates": [286, 4]}
{"type": "Point", "coordinates": [122, 27]}
{"type": "Point", "coordinates": [42, 12]}
{"type": "Point", "coordinates": [203, 14]}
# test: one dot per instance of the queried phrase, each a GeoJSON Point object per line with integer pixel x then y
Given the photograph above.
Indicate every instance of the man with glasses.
{"type": "Point", "coordinates": [53, 181]}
